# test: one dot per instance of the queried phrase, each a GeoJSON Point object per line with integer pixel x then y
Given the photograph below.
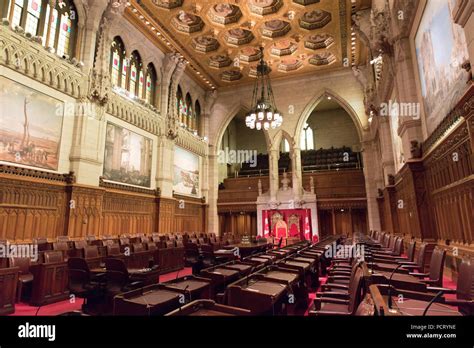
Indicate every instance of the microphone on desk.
{"type": "Point", "coordinates": [438, 295]}
{"type": "Point", "coordinates": [390, 286]}
{"type": "Point", "coordinates": [184, 293]}
{"type": "Point", "coordinates": [250, 273]}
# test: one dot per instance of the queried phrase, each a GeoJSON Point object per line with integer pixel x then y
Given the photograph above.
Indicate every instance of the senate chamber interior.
{"type": "Point", "coordinates": [304, 158]}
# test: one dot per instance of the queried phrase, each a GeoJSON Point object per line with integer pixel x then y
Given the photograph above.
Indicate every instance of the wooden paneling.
{"type": "Point", "coordinates": [38, 204]}
{"type": "Point", "coordinates": [239, 224]}
{"type": "Point", "coordinates": [436, 192]}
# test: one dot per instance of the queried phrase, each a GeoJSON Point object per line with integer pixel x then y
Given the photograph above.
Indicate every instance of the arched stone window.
{"type": "Point", "coordinates": [189, 111]}
{"type": "Point", "coordinates": [307, 140]}
{"type": "Point", "coordinates": [57, 24]}
{"type": "Point", "coordinates": [117, 58]}
{"type": "Point", "coordinates": [181, 106]}
{"type": "Point", "coordinates": [197, 117]}
{"type": "Point", "coordinates": [150, 85]}
{"type": "Point", "coordinates": [135, 77]}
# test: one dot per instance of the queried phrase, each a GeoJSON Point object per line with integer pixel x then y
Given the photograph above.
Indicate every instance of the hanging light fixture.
{"type": "Point", "coordinates": [264, 113]}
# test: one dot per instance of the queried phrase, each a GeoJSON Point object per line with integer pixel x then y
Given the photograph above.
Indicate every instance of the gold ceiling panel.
{"type": "Point", "coordinates": [220, 38]}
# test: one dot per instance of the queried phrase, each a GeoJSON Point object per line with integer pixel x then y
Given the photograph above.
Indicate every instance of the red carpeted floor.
{"type": "Point", "coordinates": [23, 309]}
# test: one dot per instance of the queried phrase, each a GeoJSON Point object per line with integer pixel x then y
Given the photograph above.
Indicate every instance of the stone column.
{"type": "Point", "coordinates": [164, 171]}
{"type": "Point", "coordinates": [88, 145]}
{"type": "Point", "coordinates": [296, 173]}
{"type": "Point", "coordinates": [213, 173]}
{"type": "Point", "coordinates": [465, 18]}
{"type": "Point", "coordinates": [370, 160]}
{"type": "Point", "coordinates": [388, 163]}
{"type": "Point", "coordinates": [411, 127]}
{"type": "Point", "coordinates": [273, 157]}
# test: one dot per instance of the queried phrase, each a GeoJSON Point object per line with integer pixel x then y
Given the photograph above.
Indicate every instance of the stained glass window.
{"type": "Point", "coordinates": [17, 12]}
{"type": "Point", "coordinates": [64, 34]}
{"type": "Point", "coordinates": [56, 25]}
{"type": "Point", "coordinates": [117, 54]}
{"type": "Point", "coordinates": [33, 16]}
{"type": "Point", "coordinates": [124, 73]}
{"type": "Point", "coordinates": [140, 84]}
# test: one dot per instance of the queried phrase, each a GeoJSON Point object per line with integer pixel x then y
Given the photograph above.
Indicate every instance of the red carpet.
{"type": "Point", "coordinates": [23, 309]}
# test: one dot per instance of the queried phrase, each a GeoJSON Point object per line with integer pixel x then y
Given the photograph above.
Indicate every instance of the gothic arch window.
{"type": "Point", "coordinates": [189, 111]}
{"type": "Point", "coordinates": [117, 57]}
{"type": "Point", "coordinates": [135, 78]}
{"type": "Point", "coordinates": [150, 85]}
{"type": "Point", "coordinates": [197, 116]}
{"type": "Point", "coordinates": [307, 139]}
{"type": "Point", "coordinates": [180, 105]}
{"type": "Point", "coordinates": [56, 25]}
{"type": "Point", "coordinates": [285, 146]}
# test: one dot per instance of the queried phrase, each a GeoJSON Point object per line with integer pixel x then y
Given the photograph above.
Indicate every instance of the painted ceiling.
{"type": "Point", "coordinates": [221, 39]}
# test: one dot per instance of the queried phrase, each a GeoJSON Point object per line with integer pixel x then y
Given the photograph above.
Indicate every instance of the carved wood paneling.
{"type": "Point", "coordinates": [38, 204]}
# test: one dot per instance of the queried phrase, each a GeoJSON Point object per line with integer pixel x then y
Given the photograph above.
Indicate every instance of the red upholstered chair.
{"type": "Point", "coordinates": [25, 278]}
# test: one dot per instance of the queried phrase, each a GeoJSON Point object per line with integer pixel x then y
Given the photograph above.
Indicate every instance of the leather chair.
{"type": "Point", "coordinates": [191, 254]}
{"type": "Point", "coordinates": [138, 247]}
{"type": "Point", "coordinates": [63, 247]}
{"type": "Point", "coordinates": [118, 277]}
{"type": "Point", "coordinates": [151, 246]}
{"type": "Point", "coordinates": [435, 275]}
{"type": "Point", "coordinates": [113, 250]}
{"type": "Point", "coordinates": [91, 252]}
{"type": "Point", "coordinates": [80, 244]}
{"type": "Point", "coordinates": [333, 303]}
{"type": "Point", "coordinates": [82, 284]}
{"type": "Point", "coordinates": [53, 256]}
{"type": "Point", "coordinates": [90, 239]}
{"type": "Point", "coordinates": [63, 239]}
{"type": "Point", "coordinates": [464, 288]}
{"type": "Point", "coordinates": [25, 278]}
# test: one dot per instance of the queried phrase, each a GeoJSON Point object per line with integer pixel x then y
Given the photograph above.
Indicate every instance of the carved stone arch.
{"type": "Point", "coordinates": [238, 107]}
{"type": "Point", "coordinates": [81, 12]}
{"type": "Point", "coordinates": [311, 106]}
{"type": "Point", "coordinates": [279, 137]}
{"type": "Point", "coordinates": [6, 56]}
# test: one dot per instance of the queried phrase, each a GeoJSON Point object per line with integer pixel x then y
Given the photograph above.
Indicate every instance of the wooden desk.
{"type": "Point", "coordinates": [408, 306]}
{"type": "Point", "coordinates": [249, 249]}
{"type": "Point", "coordinates": [243, 268]}
{"type": "Point", "coordinates": [146, 275]}
{"type": "Point", "coordinates": [260, 296]}
{"type": "Point", "coordinates": [220, 276]}
{"type": "Point", "coordinates": [150, 300]}
{"type": "Point", "coordinates": [8, 284]}
{"type": "Point", "coordinates": [194, 288]}
{"type": "Point", "coordinates": [50, 283]}
{"type": "Point", "coordinates": [206, 308]}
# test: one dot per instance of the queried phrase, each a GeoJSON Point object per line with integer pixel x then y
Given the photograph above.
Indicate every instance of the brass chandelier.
{"type": "Point", "coordinates": [264, 113]}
